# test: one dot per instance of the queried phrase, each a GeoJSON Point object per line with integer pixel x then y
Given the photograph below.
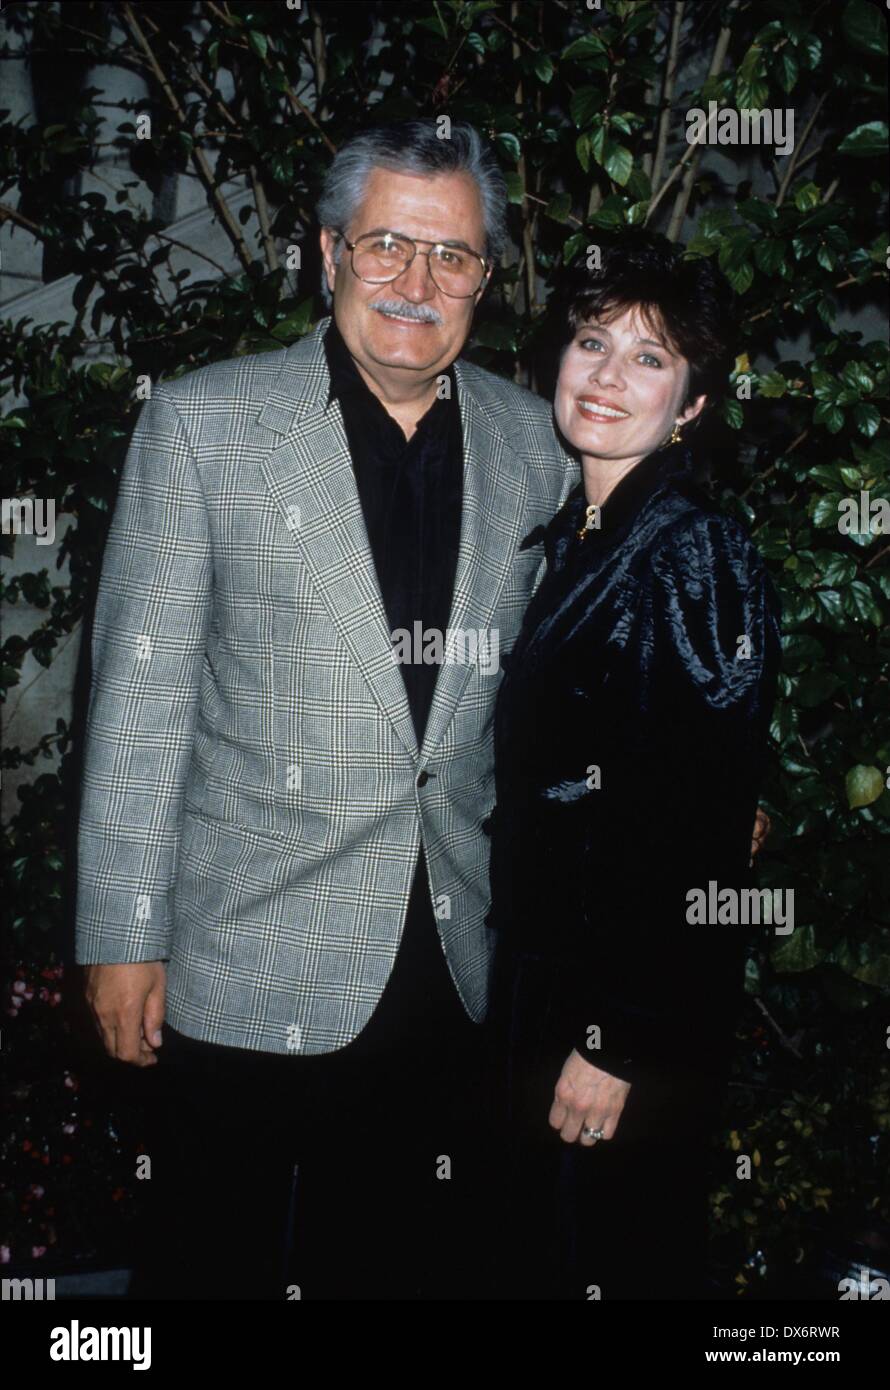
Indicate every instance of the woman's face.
{"type": "Point", "coordinates": [620, 389]}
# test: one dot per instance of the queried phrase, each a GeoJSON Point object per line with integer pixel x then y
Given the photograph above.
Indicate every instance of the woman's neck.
{"type": "Point", "coordinates": [601, 476]}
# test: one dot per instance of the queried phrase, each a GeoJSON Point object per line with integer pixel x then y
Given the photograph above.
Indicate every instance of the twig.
{"type": "Point", "coordinates": [795, 160]}
{"type": "Point", "coordinates": [667, 94]}
{"type": "Point", "coordinates": [198, 157]}
{"type": "Point", "coordinates": [684, 193]}
{"type": "Point", "coordinates": [785, 1040]}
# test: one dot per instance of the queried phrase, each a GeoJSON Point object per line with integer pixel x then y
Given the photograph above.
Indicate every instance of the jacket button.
{"type": "Point", "coordinates": [423, 778]}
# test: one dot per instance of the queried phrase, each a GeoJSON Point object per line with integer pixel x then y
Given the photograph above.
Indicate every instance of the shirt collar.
{"type": "Point", "coordinates": [345, 377]}
{"type": "Point", "coordinates": [662, 468]}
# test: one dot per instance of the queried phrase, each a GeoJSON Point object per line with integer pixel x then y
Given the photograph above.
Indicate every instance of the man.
{"type": "Point", "coordinates": [312, 569]}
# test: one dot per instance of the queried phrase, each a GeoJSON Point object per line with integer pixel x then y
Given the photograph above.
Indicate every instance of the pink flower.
{"type": "Point", "coordinates": [37, 1251]}
{"type": "Point", "coordinates": [19, 987]}
{"type": "Point", "coordinates": [5, 1255]}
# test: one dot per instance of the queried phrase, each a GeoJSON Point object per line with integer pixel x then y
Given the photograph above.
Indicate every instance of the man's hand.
{"type": "Point", "coordinates": [586, 1096]}
{"type": "Point", "coordinates": [760, 831]}
{"type": "Point", "coordinates": [127, 1003]}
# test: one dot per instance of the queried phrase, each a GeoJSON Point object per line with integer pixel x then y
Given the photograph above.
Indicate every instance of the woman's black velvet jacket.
{"type": "Point", "coordinates": [630, 735]}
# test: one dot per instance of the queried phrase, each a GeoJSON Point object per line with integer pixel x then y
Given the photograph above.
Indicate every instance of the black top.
{"type": "Point", "coordinates": [411, 494]}
{"type": "Point", "coordinates": [630, 734]}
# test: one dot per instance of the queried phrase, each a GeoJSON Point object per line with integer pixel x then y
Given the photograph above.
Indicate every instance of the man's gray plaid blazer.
{"type": "Point", "coordinates": [253, 803]}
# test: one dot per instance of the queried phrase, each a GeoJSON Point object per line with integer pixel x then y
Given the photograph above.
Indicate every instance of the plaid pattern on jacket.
{"type": "Point", "coordinates": [253, 800]}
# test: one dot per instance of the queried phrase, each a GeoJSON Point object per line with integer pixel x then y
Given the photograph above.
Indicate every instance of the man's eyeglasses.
{"type": "Point", "coordinates": [379, 257]}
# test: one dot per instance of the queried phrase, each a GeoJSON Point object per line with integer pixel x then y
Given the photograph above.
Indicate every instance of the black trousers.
{"type": "Point", "coordinates": [623, 1219]}
{"type": "Point", "coordinates": [358, 1174]}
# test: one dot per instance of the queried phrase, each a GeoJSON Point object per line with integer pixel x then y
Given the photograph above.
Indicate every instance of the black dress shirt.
{"type": "Point", "coordinates": [411, 493]}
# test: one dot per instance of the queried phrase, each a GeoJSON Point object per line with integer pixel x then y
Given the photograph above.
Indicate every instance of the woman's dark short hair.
{"type": "Point", "coordinates": [688, 301]}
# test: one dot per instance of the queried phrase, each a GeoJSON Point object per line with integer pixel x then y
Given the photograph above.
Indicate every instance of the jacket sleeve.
{"type": "Point", "coordinates": [682, 761]}
{"type": "Point", "coordinates": [148, 641]}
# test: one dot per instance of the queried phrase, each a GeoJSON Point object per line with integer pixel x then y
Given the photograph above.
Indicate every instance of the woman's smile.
{"type": "Point", "coordinates": [601, 412]}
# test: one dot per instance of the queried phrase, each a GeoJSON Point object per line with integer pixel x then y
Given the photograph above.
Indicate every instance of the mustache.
{"type": "Point", "coordinates": [423, 313]}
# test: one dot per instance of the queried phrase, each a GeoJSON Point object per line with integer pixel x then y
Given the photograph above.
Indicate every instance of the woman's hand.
{"type": "Point", "coordinates": [586, 1097]}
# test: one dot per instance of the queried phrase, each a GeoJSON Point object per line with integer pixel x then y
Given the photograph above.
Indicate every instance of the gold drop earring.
{"type": "Point", "coordinates": [675, 433]}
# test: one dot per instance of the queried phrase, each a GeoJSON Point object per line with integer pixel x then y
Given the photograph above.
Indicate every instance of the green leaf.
{"type": "Point", "coordinates": [797, 951]}
{"type": "Point", "coordinates": [514, 183]}
{"type": "Point", "coordinates": [513, 186]}
{"type": "Point", "coordinates": [835, 569]}
{"type": "Point", "coordinates": [559, 208]}
{"type": "Point", "coordinates": [584, 103]}
{"type": "Point", "coordinates": [860, 602]}
{"type": "Point", "coordinates": [857, 374]}
{"type": "Point", "coordinates": [866, 141]}
{"type": "Point", "coordinates": [751, 87]}
{"type": "Point", "coordinates": [865, 28]}
{"type": "Point", "coordinates": [867, 418]}
{"type": "Point", "coordinates": [732, 413]}
{"type": "Point", "coordinates": [830, 416]}
{"type": "Point", "coordinates": [773, 385]}
{"type": "Point", "coordinates": [617, 162]}
{"type": "Point", "coordinates": [501, 336]}
{"type": "Point", "coordinates": [508, 141]}
{"type": "Point", "coordinates": [788, 69]}
{"type": "Point", "coordinates": [769, 255]}
{"type": "Point", "coordinates": [741, 277]}
{"type": "Point", "coordinates": [544, 67]}
{"type": "Point", "coordinates": [258, 42]}
{"type": "Point", "coordinates": [590, 46]}
{"type": "Point", "coordinates": [866, 960]}
{"type": "Point", "coordinates": [807, 197]}
{"type": "Point", "coordinates": [864, 785]}
{"type": "Point", "coordinates": [816, 687]}
{"type": "Point", "coordinates": [294, 325]}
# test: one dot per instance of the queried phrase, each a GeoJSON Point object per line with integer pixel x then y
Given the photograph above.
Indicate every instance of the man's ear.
{"type": "Point", "coordinates": [483, 287]}
{"type": "Point", "coordinates": [327, 241]}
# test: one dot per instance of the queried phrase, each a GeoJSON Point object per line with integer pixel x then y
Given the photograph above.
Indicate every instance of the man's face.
{"type": "Point", "coordinates": [407, 329]}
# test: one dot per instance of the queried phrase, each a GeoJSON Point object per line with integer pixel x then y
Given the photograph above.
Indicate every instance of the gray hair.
{"type": "Point", "coordinates": [413, 147]}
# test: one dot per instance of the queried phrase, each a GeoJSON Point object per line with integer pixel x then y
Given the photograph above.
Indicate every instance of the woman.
{"type": "Point", "coordinates": [630, 735]}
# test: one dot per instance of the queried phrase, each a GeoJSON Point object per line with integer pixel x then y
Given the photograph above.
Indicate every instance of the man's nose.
{"type": "Point", "coordinates": [415, 282]}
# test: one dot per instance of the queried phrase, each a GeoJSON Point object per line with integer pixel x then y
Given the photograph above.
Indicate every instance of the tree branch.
{"type": "Point", "coordinates": [198, 157]}
{"type": "Point", "coordinates": [667, 94]}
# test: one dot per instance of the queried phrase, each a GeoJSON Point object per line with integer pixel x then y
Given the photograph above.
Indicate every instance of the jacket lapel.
{"type": "Point", "coordinates": [494, 497]}
{"type": "Point", "coordinates": [310, 476]}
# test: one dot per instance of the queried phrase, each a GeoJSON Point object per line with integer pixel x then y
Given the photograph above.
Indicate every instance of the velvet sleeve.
{"type": "Point", "coordinates": [682, 758]}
